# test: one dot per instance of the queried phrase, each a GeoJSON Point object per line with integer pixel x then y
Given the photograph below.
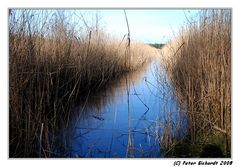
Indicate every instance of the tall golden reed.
{"type": "Point", "coordinates": [52, 62]}
{"type": "Point", "coordinates": [199, 67]}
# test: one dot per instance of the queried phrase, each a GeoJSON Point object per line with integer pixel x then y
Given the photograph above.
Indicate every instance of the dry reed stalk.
{"type": "Point", "coordinates": [51, 63]}
{"type": "Point", "coordinates": [200, 72]}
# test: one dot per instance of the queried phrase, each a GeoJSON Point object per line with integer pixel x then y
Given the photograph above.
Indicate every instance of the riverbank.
{"type": "Point", "coordinates": [51, 63]}
{"type": "Point", "coordinates": [198, 63]}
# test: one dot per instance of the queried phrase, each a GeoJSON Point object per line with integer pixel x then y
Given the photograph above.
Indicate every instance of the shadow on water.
{"type": "Point", "coordinates": [103, 123]}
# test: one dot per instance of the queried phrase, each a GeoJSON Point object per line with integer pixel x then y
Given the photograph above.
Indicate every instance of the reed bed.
{"type": "Point", "coordinates": [53, 60]}
{"type": "Point", "coordinates": [198, 63]}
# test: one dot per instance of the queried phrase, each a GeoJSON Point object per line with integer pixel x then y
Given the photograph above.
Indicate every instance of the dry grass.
{"type": "Point", "coordinates": [52, 62]}
{"type": "Point", "coordinates": [199, 68]}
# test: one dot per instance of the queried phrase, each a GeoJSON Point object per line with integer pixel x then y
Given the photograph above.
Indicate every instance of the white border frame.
{"type": "Point", "coordinates": [114, 4]}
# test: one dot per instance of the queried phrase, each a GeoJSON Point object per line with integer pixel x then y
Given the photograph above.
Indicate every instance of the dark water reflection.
{"type": "Point", "coordinates": [106, 124]}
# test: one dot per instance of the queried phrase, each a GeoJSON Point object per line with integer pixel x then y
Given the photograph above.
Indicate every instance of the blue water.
{"type": "Point", "coordinates": [128, 118]}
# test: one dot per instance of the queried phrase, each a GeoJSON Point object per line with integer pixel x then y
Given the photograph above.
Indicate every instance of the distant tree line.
{"type": "Point", "coordinates": [156, 45]}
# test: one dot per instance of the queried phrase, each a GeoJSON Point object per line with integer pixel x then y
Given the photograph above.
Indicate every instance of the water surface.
{"type": "Point", "coordinates": [133, 116]}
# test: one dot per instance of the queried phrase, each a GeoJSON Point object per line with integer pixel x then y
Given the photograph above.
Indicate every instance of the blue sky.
{"type": "Point", "coordinates": [146, 25]}
{"type": "Point", "coordinates": [149, 25]}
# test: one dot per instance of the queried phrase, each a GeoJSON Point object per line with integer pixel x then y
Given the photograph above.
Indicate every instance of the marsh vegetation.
{"type": "Point", "coordinates": [199, 67]}
{"type": "Point", "coordinates": [77, 91]}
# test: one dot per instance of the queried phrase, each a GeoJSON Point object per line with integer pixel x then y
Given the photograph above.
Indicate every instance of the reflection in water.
{"type": "Point", "coordinates": [119, 121]}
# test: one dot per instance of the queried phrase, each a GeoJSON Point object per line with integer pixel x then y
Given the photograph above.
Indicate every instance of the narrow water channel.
{"type": "Point", "coordinates": [135, 116]}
